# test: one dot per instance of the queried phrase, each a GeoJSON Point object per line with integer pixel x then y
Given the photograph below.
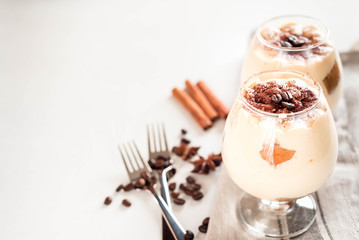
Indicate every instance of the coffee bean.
{"type": "Point", "coordinates": [190, 188]}
{"type": "Point", "coordinates": [286, 44]}
{"type": "Point", "coordinates": [182, 187]}
{"type": "Point", "coordinates": [298, 104]}
{"type": "Point", "coordinates": [129, 187]}
{"type": "Point", "coordinates": [175, 194]}
{"type": "Point", "coordinates": [179, 201]}
{"type": "Point", "coordinates": [295, 41]}
{"type": "Point", "coordinates": [203, 228]}
{"type": "Point", "coordinates": [126, 203]}
{"type": "Point", "coordinates": [183, 131]}
{"type": "Point", "coordinates": [286, 96]}
{"type": "Point", "coordinates": [276, 98]}
{"type": "Point", "coordinates": [190, 179]}
{"type": "Point", "coordinates": [189, 235]}
{"type": "Point", "coordinates": [205, 221]}
{"type": "Point", "coordinates": [166, 164]}
{"type": "Point", "coordinates": [146, 175]}
{"type": "Point", "coordinates": [299, 43]}
{"type": "Point", "coordinates": [292, 38]}
{"type": "Point", "coordinates": [197, 196]}
{"type": "Point", "coordinates": [159, 163]}
{"type": "Point", "coordinates": [108, 201]}
{"type": "Point", "coordinates": [152, 163]}
{"type": "Point", "coordinates": [153, 181]}
{"type": "Point", "coordinates": [140, 182]}
{"type": "Point", "coordinates": [189, 191]}
{"type": "Point", "coordinates": [196, 186]}
{"type": "Point", "coordinates": [288, 106]}
{"type": "Point", "coordinates": [172, 186]}
{"type": "Point", "coordinates": [119, 188]}
{"type": "Point", "coordinates": [171, 173]}
{"type": "Point", "coordinates": [185, 141]}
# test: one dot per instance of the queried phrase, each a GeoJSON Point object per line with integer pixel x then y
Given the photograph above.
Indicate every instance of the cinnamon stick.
{"type": "Point", "coordinates": [192, 107]}
{"type": "Point", "coordinates": [202, 101]}
{"type": "Point", "coordinates": [216, 103]}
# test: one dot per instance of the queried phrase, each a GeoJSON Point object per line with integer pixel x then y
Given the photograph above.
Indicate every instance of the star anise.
{"type": "Point", "coordinates": [204, 166]}
{"type": "Point", "coordinates": [184, 150]}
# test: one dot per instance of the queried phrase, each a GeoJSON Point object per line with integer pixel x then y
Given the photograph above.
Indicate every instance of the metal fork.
{"type": "Point", "coordinates": [159, 150]}
{"type": "Point", "coordinates": [158, 147]}
{"type": "Point", "coordinates": [133, 160]}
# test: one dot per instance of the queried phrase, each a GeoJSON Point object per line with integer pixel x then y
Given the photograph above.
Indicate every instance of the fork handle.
{"type": "Point", "coordinates": [164, 186]}
{"type": "Point", "coordinates": [166, 232]}
{"type": "Point", "coordinates": [170, 218]}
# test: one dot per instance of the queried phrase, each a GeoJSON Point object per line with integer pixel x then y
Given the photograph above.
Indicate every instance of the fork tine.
{"type": "Point", "coordinates": [134, 155]}
{"type": "Point", "coordinates": [164, 136]}
{"type": "Point", "coordinates": [159, 137]}
{"type": "Point", "coordinates": [149, 139]}
{"type": "Point", "coordinates": [156, 149]}
{"type": "Point", "coordinates": [124, 160]}
{"type": "Point", "coordinates": [154, 138]}
{"type": "Point", "coordinates": [139, 154]}
{"type": "Point", "coordinates": [129, 158]}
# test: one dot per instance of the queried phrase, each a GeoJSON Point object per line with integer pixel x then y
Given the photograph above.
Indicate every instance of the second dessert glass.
{"type": "Point", "coordinates": [279, 157]}
{"type": "Point", "coordinates": [297, 43]}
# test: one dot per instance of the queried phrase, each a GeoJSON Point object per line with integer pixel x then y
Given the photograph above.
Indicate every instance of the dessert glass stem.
{"type": "Point", "coordinates": [278, 207]}
{"type": "Point", "coordinates": [276, 219]}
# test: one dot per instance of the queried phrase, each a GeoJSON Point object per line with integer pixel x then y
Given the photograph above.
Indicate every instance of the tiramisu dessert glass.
{"type": "Point", "coordinates": [296, 43]}
{"type": "Point", "coordinates": [279, 146]}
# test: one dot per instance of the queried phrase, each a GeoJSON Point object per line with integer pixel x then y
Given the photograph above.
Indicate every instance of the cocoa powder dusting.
{"type": "Point", "coordinates": [281, 97]}
{"type": "Point", "coordinates": [294, 36]}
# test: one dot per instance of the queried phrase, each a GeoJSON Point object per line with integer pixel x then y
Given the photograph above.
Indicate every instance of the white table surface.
{"type": "Point", "coordinates": [79, 77]}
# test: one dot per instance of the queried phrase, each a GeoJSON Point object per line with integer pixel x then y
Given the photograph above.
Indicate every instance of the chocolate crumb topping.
{"type": "Point", "coordinates": [276, 98]}
{"type": "Point", "coordinates": [280, 97]}
{"type": "Point", "coordinates": [294, 36]}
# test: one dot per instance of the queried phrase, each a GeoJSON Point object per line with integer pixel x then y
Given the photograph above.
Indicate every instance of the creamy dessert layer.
{"type": "Point", "coordinates": [296, 47]}
{"type": "Point", "coordinates": [279, 156]}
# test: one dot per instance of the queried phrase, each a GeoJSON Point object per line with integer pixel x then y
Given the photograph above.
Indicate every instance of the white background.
{"type": "Point", "coordinates": [79, 77]}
